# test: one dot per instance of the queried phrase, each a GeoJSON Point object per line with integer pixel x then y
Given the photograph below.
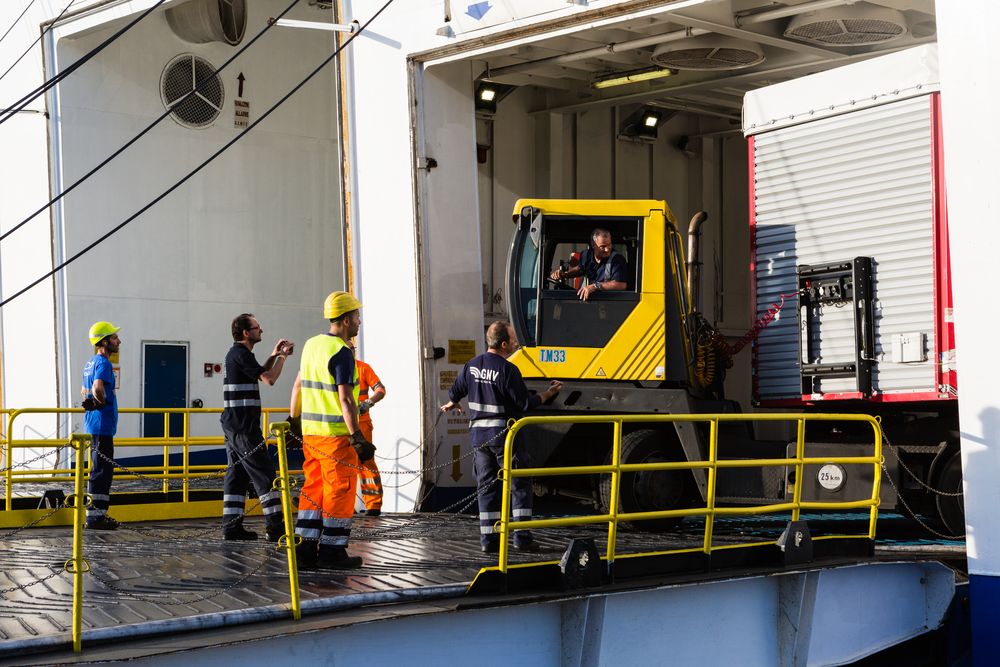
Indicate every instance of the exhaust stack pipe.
{"type": "Point", "coordinates": [694, 261]}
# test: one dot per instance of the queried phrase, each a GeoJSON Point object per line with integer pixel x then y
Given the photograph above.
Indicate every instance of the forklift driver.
{"type": "Point", "coordinates": [604, 268]}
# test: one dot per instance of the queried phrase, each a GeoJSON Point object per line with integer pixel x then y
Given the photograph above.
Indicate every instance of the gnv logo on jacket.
{"type": "Point", "coordinates": [484, 374]}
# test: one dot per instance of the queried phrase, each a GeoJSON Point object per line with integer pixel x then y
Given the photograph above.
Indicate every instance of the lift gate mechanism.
{"type": "Point", "coordinates": [831, 285]}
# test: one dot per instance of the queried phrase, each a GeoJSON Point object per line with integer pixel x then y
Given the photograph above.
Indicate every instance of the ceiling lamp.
{"type": "Point", "coordinates": [642, 125]}
{"type": "Point", "coordinates": [635, 76]}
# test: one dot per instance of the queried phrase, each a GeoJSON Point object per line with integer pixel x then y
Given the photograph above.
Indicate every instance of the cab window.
{"type": "Point", "coordinates": [562, 319]}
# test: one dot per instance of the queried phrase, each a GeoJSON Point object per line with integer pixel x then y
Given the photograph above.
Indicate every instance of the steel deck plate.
{"type": "Point", "coordinates": [163, 570]}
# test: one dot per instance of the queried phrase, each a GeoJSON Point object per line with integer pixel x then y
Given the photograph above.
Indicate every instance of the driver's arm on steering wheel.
{"type": "Point", "coordinates": [571, 272]}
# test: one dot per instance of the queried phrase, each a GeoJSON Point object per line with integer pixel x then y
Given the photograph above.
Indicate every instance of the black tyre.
{"type": "Point", "coordinates": [951, 509]}
{"type": "Point", "coordinates": [649, 491]}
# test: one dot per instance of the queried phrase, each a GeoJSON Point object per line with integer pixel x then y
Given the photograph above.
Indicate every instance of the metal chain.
{"type": "Point", "coordinates": [378, 532]}
{"type": "Point", "coordinates": [913, 514]}
{"type": "Point", "coordinates": [149, 532]}
{"type": "Point", "coordinates": [30, 461]}
{"type": "Point", "coordinates": [912, 474]}
{"type": "Point", "coordinates": [148, 478]}
{"type": "Point", "coordinates": [419, 471]}
{"type": "Point", "coordinates": [418, 446]}
{"type": "Point", "coordinates": [170, 598]}
{"type": "Point", "coordinates": [7, 536]}
{"type": "Point", "coordinates": [468, 500]}
{"type": "Point", "coordinates": [21, 587]}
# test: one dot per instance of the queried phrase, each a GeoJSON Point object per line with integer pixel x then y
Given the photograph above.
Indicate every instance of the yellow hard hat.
{"type": "Point", "coordinates": [101, 330]}
{"type": "Point", "coordinates": [338, 303]}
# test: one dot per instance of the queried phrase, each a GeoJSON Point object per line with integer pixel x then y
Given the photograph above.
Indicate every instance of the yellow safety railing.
{"type": "Point", "coordinates": [171, 443]}
{"type": "Point", "coordinates": [289, 540]}
{"type": "Point", "coordinates": [711, 466]}
{"type": "Point", "coordinates": [78, 501]}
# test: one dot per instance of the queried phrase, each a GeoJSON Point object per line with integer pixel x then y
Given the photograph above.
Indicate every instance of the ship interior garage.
{"type": "Point", "coordinates": [772, 173]}
{"type": "Point", "coordinates": [649, 107]}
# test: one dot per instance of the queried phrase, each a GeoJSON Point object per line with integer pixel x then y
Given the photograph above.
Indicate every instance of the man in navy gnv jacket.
{"type": "Point", "coordinates": [497, 393]}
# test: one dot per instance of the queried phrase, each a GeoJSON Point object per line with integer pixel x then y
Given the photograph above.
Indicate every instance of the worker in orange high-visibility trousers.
{"type": "Point", "coordinates": [325, 397]}
{"type": "Point", "coordinates": [371, 391]}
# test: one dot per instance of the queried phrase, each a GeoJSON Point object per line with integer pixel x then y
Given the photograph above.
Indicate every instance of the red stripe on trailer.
{"type": "Point", "coordinates": [900, 397]}
{"type": "Point", "coordinates": [944, 323]}
{"type": "Point", "coordinates": [814, 399]}
{"type": "Point", "coordinates": [912, 396]}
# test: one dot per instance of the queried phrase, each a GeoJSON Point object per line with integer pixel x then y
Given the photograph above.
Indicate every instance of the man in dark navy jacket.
{"type": "Point", "coordinates": [249, 462]}
{"type": "Point", "coordinates": [496, 393]}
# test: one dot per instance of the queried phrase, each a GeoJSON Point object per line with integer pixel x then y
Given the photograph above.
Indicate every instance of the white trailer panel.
{"type": "Point", "coordinates": [857, 184]}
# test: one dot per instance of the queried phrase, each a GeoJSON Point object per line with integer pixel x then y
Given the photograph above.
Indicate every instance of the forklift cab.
{"type": "Point", "coordinates": [549, 312]}
{"type": "Point", "coordinates": [595, 338]}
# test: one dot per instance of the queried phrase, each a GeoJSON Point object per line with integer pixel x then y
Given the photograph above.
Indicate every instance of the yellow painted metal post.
{"type": "Point", "coordinates": [185, 458]}
{"type": "Point", "coordinates": [166, 452]}
{"type": "Point", "coordinates": [616, 454]}
{"type": "Point", "coordinates": [8, 463]}
{"type": "Point", "coordinates": [508, 463]}
{"type": "Point", "coordinates": [713, 459]}
{"type": "Point", "coordinates": [288, 541]}
{"type": "Point", "coordinates": [80, 502]}
{"type": "Point", "coordinates": [877, 483]}
{"type": "Point", "coordinates": [800, 452]}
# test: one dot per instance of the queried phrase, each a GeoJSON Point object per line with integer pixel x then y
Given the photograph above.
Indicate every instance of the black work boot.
{"type": "Point", "coordinates": [306, 554]}
{"type": "Point", "coordinates": [336, 558]}
{"type": "Point", "coordinates": [238, 532]}
{"type": "Point", "coordinates": [273, 533]}
{"type": "Point", "coordinates": [102, 522]}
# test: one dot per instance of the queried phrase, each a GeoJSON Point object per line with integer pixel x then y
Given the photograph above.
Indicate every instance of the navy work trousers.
{"type": "Point", "coordinates": [249, 463]}
{"type": "Point", "coordinates": [488, 462]}
{"type": "Point", "coordinates": [102, 471]}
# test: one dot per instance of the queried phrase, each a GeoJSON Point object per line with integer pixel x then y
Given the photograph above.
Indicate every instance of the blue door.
{"type": "Point", "coordinates": [164, 385]}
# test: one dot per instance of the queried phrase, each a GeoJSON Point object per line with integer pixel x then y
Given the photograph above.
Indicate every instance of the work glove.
{"type": "Point", "coordinates": [295, 426]}
{"type": "Point", "coordinates": [90, 403]}
{"type": "Point", "coordinates": [364, 406]}
{"type": "Point", "coordinates": [365, 449]}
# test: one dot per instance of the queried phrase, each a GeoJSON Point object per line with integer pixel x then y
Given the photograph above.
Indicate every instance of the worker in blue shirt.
{"type": "Point", "coordinates": [604, 268]}
{"type": "Point", "coordinates": [101, 421]}
{"type": "Point", "coordinates": [496, 393]}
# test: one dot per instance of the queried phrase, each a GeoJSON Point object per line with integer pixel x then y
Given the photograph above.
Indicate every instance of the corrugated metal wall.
{"type": "Point", "coordinates": [858, 184]}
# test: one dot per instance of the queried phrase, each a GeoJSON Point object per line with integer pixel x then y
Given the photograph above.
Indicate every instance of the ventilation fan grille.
{"type": "Point", "coordinates": [848, 31]}
{"type": "Point", "coordinates": [179, 78]}
{"type": "Point", "coordinates": [233, 19]}
{"type": "Point", "coordinates": [707, 58]}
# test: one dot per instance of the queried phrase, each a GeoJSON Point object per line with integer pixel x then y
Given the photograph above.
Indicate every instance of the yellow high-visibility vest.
{"type": "Point", "coordinates": [322, 413]}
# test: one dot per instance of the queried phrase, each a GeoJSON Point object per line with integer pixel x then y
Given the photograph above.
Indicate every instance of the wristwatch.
{"type": "Point", "coordinates": [598, 286]}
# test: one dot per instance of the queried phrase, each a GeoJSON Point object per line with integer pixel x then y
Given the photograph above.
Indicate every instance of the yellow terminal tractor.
{"type": "Point", "coordinates": [646, 349]}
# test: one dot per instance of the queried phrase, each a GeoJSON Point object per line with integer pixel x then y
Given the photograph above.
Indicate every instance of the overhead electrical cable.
{"type": "Point", "coordinates": [19, 17]}
{"type": "Point", "coordinates": [203, 80]}
{"type": "Point", "coordinates": [38, 39]}
{"type": "Point", "coordinates": [114, 230]}
{"type": "Point", "coordinates": [41, 90]}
